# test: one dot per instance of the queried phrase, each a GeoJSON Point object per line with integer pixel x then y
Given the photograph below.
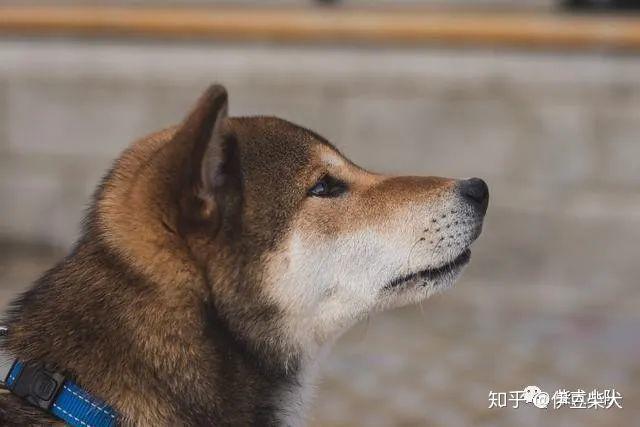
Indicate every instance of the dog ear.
{"type": "Point", "coordinates": [212, 157]}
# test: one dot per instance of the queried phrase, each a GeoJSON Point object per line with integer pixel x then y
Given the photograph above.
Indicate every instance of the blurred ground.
{"type": "Point", "coordinates": [551, 297]}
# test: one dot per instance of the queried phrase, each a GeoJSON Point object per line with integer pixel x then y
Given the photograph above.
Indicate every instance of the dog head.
{"type": "Point", "coordinates": [294, 241]}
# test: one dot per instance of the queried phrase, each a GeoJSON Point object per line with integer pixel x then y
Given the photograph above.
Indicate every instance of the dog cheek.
{"type": "Point", "coordinates": [317, 287]}
{"type": "Point", "coordinates": [291, 272]}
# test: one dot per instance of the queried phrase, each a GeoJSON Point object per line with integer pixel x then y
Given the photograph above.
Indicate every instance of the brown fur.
{"type": "Point", "coordinates": [372, 197]}
{"type": "Point", "coordinates": [159, 308]}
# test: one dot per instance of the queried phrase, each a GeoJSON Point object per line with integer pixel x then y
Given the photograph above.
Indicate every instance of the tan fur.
{"type": "Point", "coordinates": [136, 214]}
{"type": "Point", "coordinates": [372, 197]}
{"type": "Point", "coordinates": [209, 279]}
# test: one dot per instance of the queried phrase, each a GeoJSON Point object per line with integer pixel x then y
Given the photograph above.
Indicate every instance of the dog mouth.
{"type": "Point", "coordinates": [432, 274]}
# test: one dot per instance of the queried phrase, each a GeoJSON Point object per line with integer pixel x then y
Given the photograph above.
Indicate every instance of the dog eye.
{"type": "Point", "coordinates": [327, 187]}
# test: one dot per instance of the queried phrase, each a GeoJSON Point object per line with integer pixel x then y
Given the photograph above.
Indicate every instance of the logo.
{"type": "Point", "coordinates": [577, 399]}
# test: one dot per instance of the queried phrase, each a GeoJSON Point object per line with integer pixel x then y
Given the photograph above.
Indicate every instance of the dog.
{"type": "Point", "coordinates": [219, 261]}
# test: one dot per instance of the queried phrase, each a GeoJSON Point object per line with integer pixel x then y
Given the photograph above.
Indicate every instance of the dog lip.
{"type": "Point", "coordinates": [432, 273]}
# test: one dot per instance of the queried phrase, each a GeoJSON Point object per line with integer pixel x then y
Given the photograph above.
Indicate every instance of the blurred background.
{"type": "Point", "coordinates": [539, 97]}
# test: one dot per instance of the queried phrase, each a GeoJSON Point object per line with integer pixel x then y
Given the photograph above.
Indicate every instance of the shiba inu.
{"type": "Point", "coordinates": [220, 259]}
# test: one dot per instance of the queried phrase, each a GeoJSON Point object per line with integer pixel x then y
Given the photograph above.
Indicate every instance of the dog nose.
{"type": "Point", "coordinates": [476, 192]}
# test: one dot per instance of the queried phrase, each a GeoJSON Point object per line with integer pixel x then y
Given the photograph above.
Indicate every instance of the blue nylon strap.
{"type": "Point", "coordinates": [14, 373]}
{"type": "Point", "coordinates": [79, 409]}
{"type": "Point", "coordinates": [73, 405]}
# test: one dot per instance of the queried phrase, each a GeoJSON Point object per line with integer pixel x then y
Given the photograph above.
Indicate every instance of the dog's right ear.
{"type": "Point", "coordinates": [211, 159]}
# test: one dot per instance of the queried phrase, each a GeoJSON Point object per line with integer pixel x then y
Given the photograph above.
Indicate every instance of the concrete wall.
{"type": "Point", "coordinates": [555, 135]}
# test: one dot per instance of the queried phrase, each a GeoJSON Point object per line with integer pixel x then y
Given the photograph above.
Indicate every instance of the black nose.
{"type": "Point", "coordinates": [476, 192]}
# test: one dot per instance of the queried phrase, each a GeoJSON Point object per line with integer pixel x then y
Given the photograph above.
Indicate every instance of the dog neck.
{"type": "Point", "coordinates": [130, 316]}
{"type": "Point", "coordinates": [156, 357]}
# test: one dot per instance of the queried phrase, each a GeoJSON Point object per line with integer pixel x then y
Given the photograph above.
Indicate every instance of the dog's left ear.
{"type": "Point", "coordinates": [212, 162]}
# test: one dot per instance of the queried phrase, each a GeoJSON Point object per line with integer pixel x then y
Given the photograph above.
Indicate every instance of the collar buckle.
{"type": "Point", "coordinates": [36, 383]}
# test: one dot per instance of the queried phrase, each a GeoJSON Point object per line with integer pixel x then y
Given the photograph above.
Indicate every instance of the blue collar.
{"type": "Point", "coordinates": [50, 391]}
